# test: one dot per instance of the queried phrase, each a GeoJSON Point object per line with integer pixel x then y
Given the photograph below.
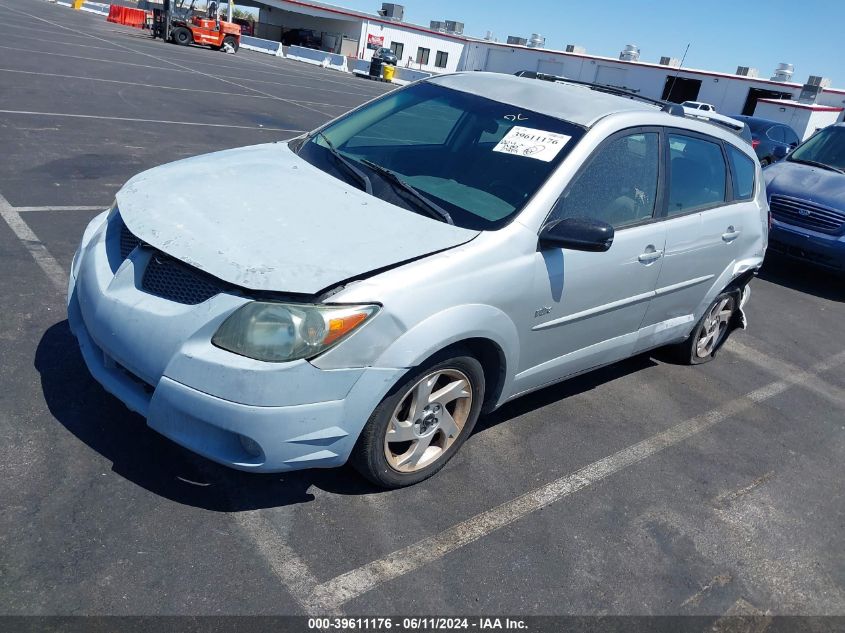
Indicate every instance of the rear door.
{"type": "Point", "coordinates": [705, 226]}
{"type": "Point", "coordinates": [588, 307]}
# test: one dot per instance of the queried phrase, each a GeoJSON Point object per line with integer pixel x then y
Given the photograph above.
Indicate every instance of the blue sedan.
{"type": "Point", "coordinates": [806, 194]}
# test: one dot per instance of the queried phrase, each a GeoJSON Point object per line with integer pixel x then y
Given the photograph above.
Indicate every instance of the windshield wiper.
{"type": "Point", "coordinates": [360, 175]}
{"type": "Point", "coordinates": [433, 209]}
{"type": "Point", "coordinates": [814, 163]}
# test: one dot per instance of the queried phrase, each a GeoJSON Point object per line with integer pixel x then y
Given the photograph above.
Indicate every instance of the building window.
{"type": "Point", "coordinates": [422, 55]}
{"type": "Point", "coordinates": [441, 59]}
{"type": "Point", "coordinates": [398, 48]}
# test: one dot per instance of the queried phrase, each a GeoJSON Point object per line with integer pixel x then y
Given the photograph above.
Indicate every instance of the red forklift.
{"type": "Point", "coordinates": [176, 22]}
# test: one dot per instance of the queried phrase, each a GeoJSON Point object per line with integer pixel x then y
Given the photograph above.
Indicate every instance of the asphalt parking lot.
{"type": "Point", "coordinates": [642, 488]}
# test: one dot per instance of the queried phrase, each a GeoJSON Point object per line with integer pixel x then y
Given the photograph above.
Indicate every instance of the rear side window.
{"type": "Point", "coordinates": [618, 185]}
{"type": "Point", "coordinates": [697, 174]}
{"type": "Point", "coordinates": [742, 169]}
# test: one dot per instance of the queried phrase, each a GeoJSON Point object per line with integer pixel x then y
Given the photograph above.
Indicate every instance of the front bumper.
{"type": "Point", "coordinates": [157, 359]}
{"type": "Point", "coordinates": [808, 245]}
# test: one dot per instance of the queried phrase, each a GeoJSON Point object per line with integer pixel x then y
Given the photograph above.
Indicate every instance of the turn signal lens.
{"type": "Point", "coordinates": [338, 328]}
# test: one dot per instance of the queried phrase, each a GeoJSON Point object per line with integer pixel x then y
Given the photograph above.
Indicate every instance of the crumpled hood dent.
{"type": "Point", "coordinates": [262, 218]}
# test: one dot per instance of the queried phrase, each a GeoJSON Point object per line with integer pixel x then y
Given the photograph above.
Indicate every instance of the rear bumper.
{"type": "Point", "coordinates": [245, 414]}
{"type": "Point", "coordinates": [817, 248]}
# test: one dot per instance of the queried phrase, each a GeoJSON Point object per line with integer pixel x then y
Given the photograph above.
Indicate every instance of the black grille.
{"type": "Point", "coordinates": [128, 242]}
{"type": "Point", "coordinates": [807, 214]}
{"type": "Point", "coordinates": [169, 279]}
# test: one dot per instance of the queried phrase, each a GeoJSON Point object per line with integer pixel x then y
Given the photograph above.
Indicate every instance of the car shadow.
{"type": "Point", "coordinates": [151, 461]}
{"type": "Point", "coordinates": [803, 277]}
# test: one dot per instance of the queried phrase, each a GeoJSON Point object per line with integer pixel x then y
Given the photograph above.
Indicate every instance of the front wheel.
{"type": "Point", "coordinates": [230, 42]}
{"type": "Point", "coordinates": [422, 422]}
{"type": "Point", "coordinates": [182, 36]}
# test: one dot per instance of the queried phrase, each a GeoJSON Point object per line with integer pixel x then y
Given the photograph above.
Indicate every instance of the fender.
{"type": "Point", "coordinates": [450, 326]}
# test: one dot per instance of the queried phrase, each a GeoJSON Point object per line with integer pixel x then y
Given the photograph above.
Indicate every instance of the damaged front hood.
{"type": "Point", "coordinates": [261, 218]}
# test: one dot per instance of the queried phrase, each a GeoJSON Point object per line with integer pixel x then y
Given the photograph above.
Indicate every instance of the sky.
{"type": "Point", "coordinates": [722, 35]}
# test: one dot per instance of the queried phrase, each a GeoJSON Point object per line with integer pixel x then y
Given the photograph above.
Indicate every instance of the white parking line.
{"type": "Point", "coordinates": [52, 268]}
{"type": "Point", "coordinates": [142, 85]}
{"type": "Point", "coordinates": [65, 208]}
{"type": "Point", "coordinates": [333, 593]}
{"type": "Point", "coordinates": [781, 368]}
{"type": "Point", "coordinates": [171, 62]}
{"type": "Point", "coordinates": [123, 118]}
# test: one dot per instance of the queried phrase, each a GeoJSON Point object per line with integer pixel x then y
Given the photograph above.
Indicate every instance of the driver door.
{"type": "Point", "coordinates": [590, 306]}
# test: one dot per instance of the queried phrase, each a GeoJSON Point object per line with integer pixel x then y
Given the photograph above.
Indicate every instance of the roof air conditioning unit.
{"type": "Point", "coordinates": [437, 25]}
{"type": "Point", "coordinates": [574, 48]}
{"type": "Point", "coordinates": [454, 27]}
{"type": "Point", "coordinates": [747, 71]}
{"type": "Point", "coordinates": [395, 12]}
{"type": "Point", "coordinates": [673, 62]}
{"type": "Point", "coordinates": [815, 80]}
{"type": "Point", "coordinates": [518, 41]}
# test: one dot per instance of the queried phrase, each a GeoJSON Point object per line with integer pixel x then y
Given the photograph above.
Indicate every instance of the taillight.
{"type": "Point", "coordinates": [755, 142]}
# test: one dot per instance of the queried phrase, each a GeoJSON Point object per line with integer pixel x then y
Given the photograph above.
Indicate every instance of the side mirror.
{"type": "Point", "coordinates": [780, 151]}
{"type": "Point", "coordinates": [579, 234]}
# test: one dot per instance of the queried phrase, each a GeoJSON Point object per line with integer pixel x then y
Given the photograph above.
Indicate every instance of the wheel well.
{"type": "Point", "coordinates": [492, 360]}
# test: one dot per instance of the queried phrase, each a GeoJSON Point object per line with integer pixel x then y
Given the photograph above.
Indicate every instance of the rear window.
{"type": "Point", "coordinates": [697, 174]}
{"type": "Point", "coordinates": [742, 169]}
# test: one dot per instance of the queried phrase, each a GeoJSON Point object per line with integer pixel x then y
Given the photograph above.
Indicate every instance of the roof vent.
{"type": "Point", "coordinates": [395, 12]}
{"type": "Point", "coordinates": [783, 72]}
{"type": "Point", "coordinates": [574, 48]}
{"type": "Point", "coordinates": [674, 62]}
{"type": "Point", "coordinates": [630, 53]}
{"type": "Point", "coordinates": [518, 41]}
{"type": "Point", "coordinates": [488, 36]}
{"type": "Point", "coordinates": [536, 41]}
{"type": "Point", "coordinates": [747, 71]}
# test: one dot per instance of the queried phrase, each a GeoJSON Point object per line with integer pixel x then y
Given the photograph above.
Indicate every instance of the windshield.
{"type": "Point", "coordinates": [826, 148]}
{"type": "Point", "coordinates": [478, 159]}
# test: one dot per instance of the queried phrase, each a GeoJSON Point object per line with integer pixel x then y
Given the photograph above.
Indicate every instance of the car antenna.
{"type": "Point", "coordinates": [677, 72]}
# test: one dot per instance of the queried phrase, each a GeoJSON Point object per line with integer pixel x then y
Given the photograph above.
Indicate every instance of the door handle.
{"type": "Point", "coordinates": [650, 256]}
{"type": "Point", "coordinates": [730, 235]}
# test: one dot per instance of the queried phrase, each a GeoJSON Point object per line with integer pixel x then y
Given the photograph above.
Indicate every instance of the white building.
{"type": "Point", "coordinates": [444, 48]}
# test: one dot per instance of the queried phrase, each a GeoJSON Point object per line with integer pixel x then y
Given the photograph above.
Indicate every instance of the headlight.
{"type": "Point", "coordinates": [280, 332]}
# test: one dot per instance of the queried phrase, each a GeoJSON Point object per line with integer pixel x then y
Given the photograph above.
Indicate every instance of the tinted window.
{"type": "Point", "coordinates": [422, 55]}
{"type": "Point", "coordinates": [742, 169]}
{"type": "Point", "coordinates": [441, 59]}
{"type": "Point", "coordinates": [424, 123]}
{"type": "Point", "coordinates": [618, 185]}
{"type": "Point", "coordinates": [697, 174]}
{"type": "Point", "coordinates": [398, 48]}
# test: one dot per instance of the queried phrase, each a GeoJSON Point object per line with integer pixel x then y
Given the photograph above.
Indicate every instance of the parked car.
{"type": "Point", "coordinates": [699, 105]}
{"type": "Point", "coordinates": [247, 26]}
{"type": "Point", "coordinates": [771, 140]}
{"type": "Point", "coordinates": [306, 38]}
{"type": "Point", "coordinates": [807, 197]}
{"type": "Point", "coordinates": [386, 56]}
{"type": "Point", "coordinates": [740, 128]}
{"type": "Point", "coordinates": [436, 253]}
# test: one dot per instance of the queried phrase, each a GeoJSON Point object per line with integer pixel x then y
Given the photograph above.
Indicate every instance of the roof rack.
{"type": "Point", "coordinates": [671, 108]}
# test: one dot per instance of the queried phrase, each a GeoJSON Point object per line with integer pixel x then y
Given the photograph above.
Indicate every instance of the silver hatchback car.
{"type": "Point", "coordinates": [425, 258]}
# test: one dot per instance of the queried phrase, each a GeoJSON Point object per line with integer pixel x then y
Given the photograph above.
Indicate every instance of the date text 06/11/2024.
{"type": "Point", "coordinates": [415, 624]}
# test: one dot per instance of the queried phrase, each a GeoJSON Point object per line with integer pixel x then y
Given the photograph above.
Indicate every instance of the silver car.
{"type": "Point", "coordinates": [411, 265]}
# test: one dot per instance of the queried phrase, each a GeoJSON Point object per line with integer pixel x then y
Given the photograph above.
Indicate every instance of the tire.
{"type": "Point", "coordinates": [765, 161]}
{"type": "Point", "coordinates": [231, 41]}
{"type": "Point", "coordinates": [385, 457]}
{"type": "Point", "coordinates": [182, 36]}
{"type": "Point", "coordinates": [715, 326]}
